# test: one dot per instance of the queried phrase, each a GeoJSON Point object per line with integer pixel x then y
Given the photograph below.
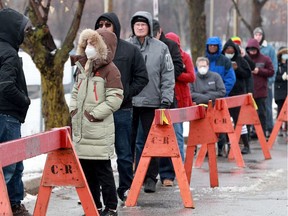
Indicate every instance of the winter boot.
{"type": "Point", "coordinates": [246, 148]}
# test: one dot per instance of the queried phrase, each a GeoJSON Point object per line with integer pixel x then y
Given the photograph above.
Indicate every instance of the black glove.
{"type": "Point", "coordinates": [165, 105]}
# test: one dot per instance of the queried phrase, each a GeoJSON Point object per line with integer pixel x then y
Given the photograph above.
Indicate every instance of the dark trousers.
{"type": "Point", "coordinates": [145, 115]}
{"type": "Point", "coordinates": [261, 103]}
{"type": "Point", "coordinates": [123, 125]}
{"type": "Point", "coordinates": [99, 173]}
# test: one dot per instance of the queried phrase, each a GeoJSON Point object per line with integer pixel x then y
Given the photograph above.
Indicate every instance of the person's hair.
{"type": "Point", "coordinates": [202, 59]}
{"type": "Point", "coordinates": [156, 27]}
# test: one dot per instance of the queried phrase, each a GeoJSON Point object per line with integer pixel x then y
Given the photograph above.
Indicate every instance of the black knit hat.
{"type": "Point", "coordinates": [139, 19]}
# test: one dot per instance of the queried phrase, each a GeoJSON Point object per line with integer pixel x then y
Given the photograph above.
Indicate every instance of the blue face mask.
{"type": "Point", "coordinates": [284, 56]}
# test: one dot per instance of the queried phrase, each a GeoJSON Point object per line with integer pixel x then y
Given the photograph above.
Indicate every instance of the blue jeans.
{"type": "Point", "coordinates": [269, 112]}
{"type": "Point", "coordinates": [10, 129]}
{"type": "Point", "coordinates": [166, 169]}
{"type": "Point", "coordinates": [123, 125]}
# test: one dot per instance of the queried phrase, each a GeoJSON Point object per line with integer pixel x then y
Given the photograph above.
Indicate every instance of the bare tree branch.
{"type": "Point", "coordinates": [248, 26]}
{"type": "Point", "coordinates": [70, 37]}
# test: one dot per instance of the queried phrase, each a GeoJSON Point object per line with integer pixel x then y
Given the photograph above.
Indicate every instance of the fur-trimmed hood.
{"type": "Point", "coordinates": [104, 41]}
{"type": "Point", "coordinates": [281, 51]}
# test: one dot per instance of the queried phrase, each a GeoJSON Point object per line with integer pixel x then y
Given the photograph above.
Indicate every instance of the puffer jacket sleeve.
{"type": "Point", "coordinates": [113, 96]}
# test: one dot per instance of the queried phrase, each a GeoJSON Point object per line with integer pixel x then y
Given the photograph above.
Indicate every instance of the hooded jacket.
{"type": "Point", "coordinates": [242, 71]}
{"type": "Point", "coordinates": [221, 64]}
{"type": "Point", "coordinates": [264, 64]}
{"type": "Point", "coordinates": [96, 94]}
{"type": "Point", "coordinates": [280, 86]}
{"type": "Point", "coordinates": [129, 61]}
{"type": "Point", "coordinates": [14, 98]}
{"type": "Point", "coordinates": [182, 87]}
{"type": "Point", "coordinates": [160, 89]}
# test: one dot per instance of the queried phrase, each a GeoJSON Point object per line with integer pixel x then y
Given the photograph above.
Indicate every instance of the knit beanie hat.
{"type": "Point", "coordinates": [236, 40]}
{"type": "Point", "coordinates": [139, 19]}
{"type": "Point", "coordinates": [258, 30]}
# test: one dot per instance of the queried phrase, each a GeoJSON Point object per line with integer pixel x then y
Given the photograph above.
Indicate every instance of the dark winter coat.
{"type": "Point", "coordinates": [266, 70]}
{"type": "Point", "coordinates": [129, 61]}
{"type": "Point", "coordinates": [14, 98]}
{"type": "Point", "coordinates": [242, 72]}
{"type": "Point", "coordinates": [280, 85]}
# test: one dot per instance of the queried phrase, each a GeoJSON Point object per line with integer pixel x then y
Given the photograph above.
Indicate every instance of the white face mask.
{"type": "Point", "coordinates": [230, 56]}
{"type": "Point", "coordinates": [90, 52]}
{"type": "Point", "coordinates": [203, 70]}
{"type": "Point", "coordinates": [284, 56]}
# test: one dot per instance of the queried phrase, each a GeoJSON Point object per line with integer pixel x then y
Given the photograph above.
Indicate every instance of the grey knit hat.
{"type": "Point", "coordinates": [258, 30]}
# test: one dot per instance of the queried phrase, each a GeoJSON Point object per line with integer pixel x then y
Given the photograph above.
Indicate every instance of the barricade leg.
{"type": "Point", "coordinates": [201, 156]}
{"type": "Point", "coordinates": [262, 141]}
{"type": "Point", "coordinates": [189, 161]}
{"type": "Point", "coordinates": [5, 208]}
{"type": "Point", "coordinates": [182, 182]}
{"type": "Point", "coordinates": [236, 149]}
{"type": "Point", "coordinates": [138, 181]}
{"type": "Point", "coordinates": [282, 117]}
{"type": "Point", "coordinates": [212, 160]}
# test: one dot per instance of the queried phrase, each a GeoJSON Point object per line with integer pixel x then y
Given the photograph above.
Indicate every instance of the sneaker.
{"type": "Point", "coordinates": [149, 186]}
{"type": "Point", "coordinates": [167, 183]}
{"type": "Point", "coordinates": [109, 212]}
{"type": "Point", "coordinates": [20, 210]}
{"type": "Point", "coordinates": [123, 196]}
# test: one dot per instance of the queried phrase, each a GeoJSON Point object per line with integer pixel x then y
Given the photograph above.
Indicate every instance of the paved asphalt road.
{"type": "Point", "coordinates": [259, 189]}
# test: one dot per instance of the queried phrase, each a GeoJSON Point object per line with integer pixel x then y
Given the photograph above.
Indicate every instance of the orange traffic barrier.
{"type": "Point", "coordinates": [222, 123]}
{"type": "Point", "coordinates": [202, 132]}
{"type": "Point", "coordinates": [282, 117]}
{"type": "Point", "coordinates": [62, 168]}
{"type": "Point", "coordinates": [162, 142]}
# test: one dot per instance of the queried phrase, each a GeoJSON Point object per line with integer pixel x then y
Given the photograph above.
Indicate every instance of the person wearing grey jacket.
{"type": "Point", "coordinates": [208, 85]}
{"type": "Point", "coordinates": [158, 93]}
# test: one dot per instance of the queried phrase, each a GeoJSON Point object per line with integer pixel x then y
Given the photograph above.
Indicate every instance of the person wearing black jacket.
{"type": "Point", "coordinates": [242, 72]}
{"type": "Point", "coordinates": [134, 77]}
{"type": "Point", "coordinates": [166, 170]}
{"type": "Point", "coordinates": [14, 100]}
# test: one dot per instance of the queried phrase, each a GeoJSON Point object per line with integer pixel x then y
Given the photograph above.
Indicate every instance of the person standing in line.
{"type": "Point", "coordinates": [166, 170]}
{"type": "Point", "coordinates": [280, 86]}
{"type": "Point", "coordinates": [97, 93]}
{"type": "Point", "coordinates": [208, 84]}
{"type": "Point", "coordinates": [221, 65]}
{"type": "Point", "coordinates": [157, 94]}
{"type": "Point", "coordinates": [267, 50]}
{"type": "Point", "coordinates": [129, 60]}
{"type": "Point", "coordinates": [183, 99]}
{"type": "Point", "coordinates": [242, 72]}
{"type": "Point", "coordinates": [14, 100]}
{"type": "Point", "coordinates": [262, 71]}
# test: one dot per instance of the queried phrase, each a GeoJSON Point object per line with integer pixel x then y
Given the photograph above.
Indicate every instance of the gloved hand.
{"type": "Point", "coordinates": [165, 105]}
{"type": "Point", "coordinates": [284, 76]}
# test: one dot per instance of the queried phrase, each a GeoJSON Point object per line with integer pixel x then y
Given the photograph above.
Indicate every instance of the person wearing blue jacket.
{"type": "Point", "coordinates": [222, 65]}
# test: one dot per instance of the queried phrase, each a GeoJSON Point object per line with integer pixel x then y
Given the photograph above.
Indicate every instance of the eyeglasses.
{"type": "Point", "coordinates": [106, 24]}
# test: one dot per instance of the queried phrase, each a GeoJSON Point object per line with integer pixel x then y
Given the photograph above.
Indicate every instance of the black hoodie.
{"type": "Point", "coordinates": [242, 72]}
{"type": "Point", "coordinates": [129, 61]}
{"type": "Point", "coordinates": [14, 99]}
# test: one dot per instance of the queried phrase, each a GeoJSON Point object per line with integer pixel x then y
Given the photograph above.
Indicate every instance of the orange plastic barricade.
{"type": "Point", "coordinates": [62, 168]}
{"type": "Point", "coordinates": [162, 142]}
{"type": "Point", "coordinates": [282, 117]}
{"type": "Point", "coordinates": [222, 124]}
{"type": "Point", "coordinates": [202, 132]}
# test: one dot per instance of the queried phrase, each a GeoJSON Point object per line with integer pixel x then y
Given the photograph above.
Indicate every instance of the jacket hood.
{"type": "Point", "coordinates": [146, 15]}
{"type": "Point", "coordinates": [261, 31]}
{"type": "Point", "coordinates": [12, 25]}
{"type": "Point", "coordinates": [216, 41]}
{"type": "Point", "coordinates": [281, 51]}
{"type": "Point", "coordinates": [253, 43]}
{"type": "Point", "coordinates": [174, 37]}
{"type": "Point", "coordinates": [235, 47]}
{"type": "Point", "coordinates": [112, 17]}
{"type": "Point", "coordinates": [104, 41]}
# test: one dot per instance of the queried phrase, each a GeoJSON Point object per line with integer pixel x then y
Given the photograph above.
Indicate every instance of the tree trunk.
{"type": "Point", "coordinates": [54, 106]}
{"type": "Point", "coordinates": [197, 19]}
